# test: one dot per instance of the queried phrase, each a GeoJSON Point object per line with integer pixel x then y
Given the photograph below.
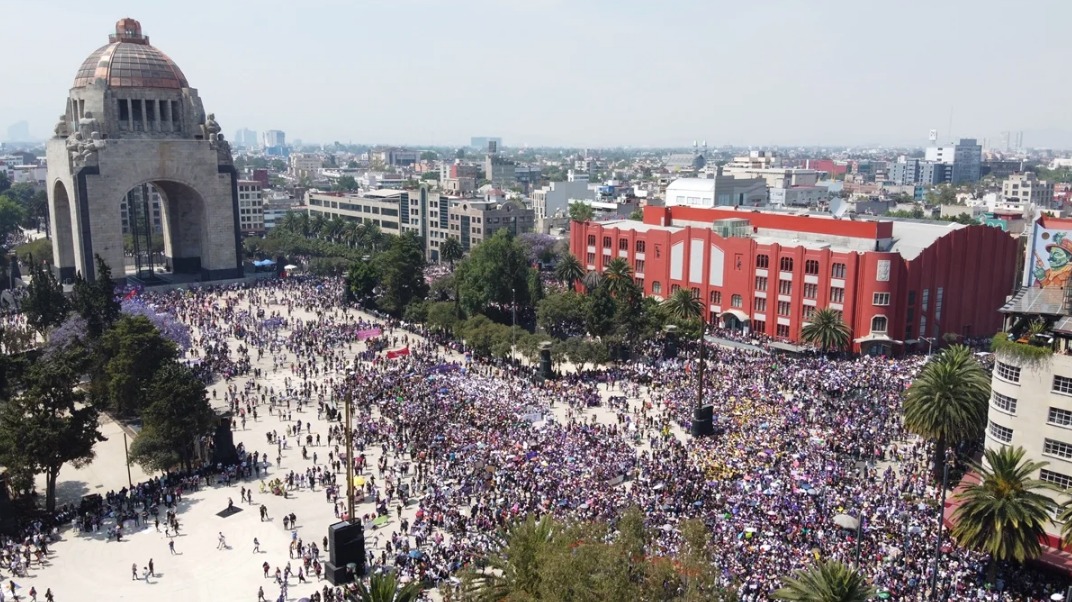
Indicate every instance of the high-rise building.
{"type": "Point", "coordinates": [965, 159]}
{"type": "Point", "coordinates": [482, 142]}
{"type": "Point", "coordinates": [18, 132]}
{"type": "Point", "coordinates": [910, 171]}
{"type": "Point", "coordinates": [275, 143]}
{"type": "Point", "coordinates": [250, 207]}
{"type": "Point", "coordinates": [246, 138]}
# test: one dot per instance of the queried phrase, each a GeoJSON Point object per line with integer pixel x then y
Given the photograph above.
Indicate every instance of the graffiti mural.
{"type": "Point", "coordinates": [1051, 258]}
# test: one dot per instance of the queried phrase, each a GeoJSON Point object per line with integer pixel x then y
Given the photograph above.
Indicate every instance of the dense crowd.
{"type": "Point", "coordinates": [451, 450]}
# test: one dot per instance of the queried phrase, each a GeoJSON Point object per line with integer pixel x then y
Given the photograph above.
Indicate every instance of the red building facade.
{"type": "Point", "coordinates": [896, 285]}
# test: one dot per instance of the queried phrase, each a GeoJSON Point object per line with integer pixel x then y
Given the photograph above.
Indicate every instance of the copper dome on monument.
{"type": "Point", "coordinates": [128, 61]}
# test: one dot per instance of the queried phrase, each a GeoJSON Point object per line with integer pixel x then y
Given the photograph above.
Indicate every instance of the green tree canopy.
{"type": "Point", "coordinates": [495, 272]}
{"type": "Point", "coordinates": [450, 250]}
{"type": "Point", "coordinates": [401, 269]}
{"type": "Point", "coordinates": [12, 215]}
{"type": "Point", "coordinates": [826, 581]}
{"type": "Point", "coordinates": [96, 301]}
{"type": "Point", "coordinates": [1005, 514]}
{"type": "Point", "coordinates": [45, 305]}
{"type": "Point", "coordinates": [347, 183]}
{"type": "Point", "coordinates": [361, 280]}
{"type": "Point", "coordinates": [569, 270]}
{"type": "Point", "coordinates": [826, 330]}
{"type": "Point", "coordinates": [581, 212]}
{"type": "Point", "coordinates": [132, 351]}
{"type": "Point", "coordinates": [947, 403]}
{"type": "Point", "coordinates": [48, 425]}
{"type": "Point", "coordinates": [177, 413]}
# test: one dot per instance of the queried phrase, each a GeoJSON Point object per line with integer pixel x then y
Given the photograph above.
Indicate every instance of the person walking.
{"type": "Point", "coordinates": [256, 546]}
{"type": "Point", "coordinates": [171, 546]}
{"type": "Point", "coordinates": [152, 569]}
{"type": "Point", "coordinates": [222, 543]}
{"type": "Point", "coordinates": [134, 572]}
{"type": "Point", "coordinates": [260, 594]}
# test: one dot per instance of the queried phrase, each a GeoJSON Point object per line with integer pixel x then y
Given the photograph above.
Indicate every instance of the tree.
{"type": "Point", "coordinates": [361, 280]}
{"type": "Point", "coordinates": [685, 306]}
{"type": "Point", "coordinates": [618, 276]}
{"type": "Point", "coordinates": [538, 247]}
{"type": "Point", "coordinates": [514, 566]}
{"type": "Point", "coordinates": [96, 301]}
{"type": "Point", "coordinates": [947, 403]}
{"type": "Point", "coordinates": [496, 272]}
{"type": "Point", "coordinates": [826, 581]}
{"type": "Point", "coordinates": [442, 316]}
{"type": "Point", "coordinates": [347, 183]}
{"type": "Point", "coordinates": [4, 182]}
{"type": "Point", "coordinates": [1004, 514]}
{"type": "Point", "coordinates": [48, 425]}
{"type": "Point", "coordinates": [826, 330]}
{"type": "Point", "coordinates": [132, 350]}
{"type": "Point", "coordinates": [401, 269]}
{"type": "Point", "coordinates": [11, 215]}
{"type": "Point", "coordinates": [385, 588]}
{"type": "Point", "coordinates": [600, 310]}
{"type": "Point", "coordinates": [581, 212]}
{"type": "Point", "coordinates": [637, 215]}
{"type": "Point", "coordinates": [429, 156]}
{"type": "Point", "coordinates": [569, 270]}
{"type": "Point", "coordinates": [562, 315]}
{"type": "Point", "coordinates": [176, 415]}
{"type": "Point", "coordinates": [45, 305]}
{"type": "Point", "coordinates": [450, 250]}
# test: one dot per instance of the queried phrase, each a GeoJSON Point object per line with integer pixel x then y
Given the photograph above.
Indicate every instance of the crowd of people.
{"type": "Point", "coordinates": [450, 450]}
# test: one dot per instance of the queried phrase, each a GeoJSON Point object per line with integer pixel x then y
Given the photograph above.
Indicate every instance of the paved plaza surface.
{"type": "Point", "coordinates": [84, 566]}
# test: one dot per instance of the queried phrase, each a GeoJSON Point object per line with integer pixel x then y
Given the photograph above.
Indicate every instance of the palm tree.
{"type": "Point", "coordinates": [684, 306]}
{"type": "Point", "coordinates": [569, 270]}
{"type": "Point", "coordinates": [618, 276]}
{"type": "Point", "coordinates": [316, 225]}
{"type": "Point", "coordinates": [828, 581]}
{"type": "Point", "coordinates": [947, 403]}
{"type": "Point", "coordinates": [1004, 514]}
{"type": "Point", "coordinates": [592, 280]}
{"type": "Point", "coordinates": [826, 330]}
{"type": "Point", "coordinates": [581, 212]}
{"type": "Point", "coordinates": [513, 569]}
{"type": "Point", "coordinates": [451, 250]}
{"type": "Point", "coordinates": [385, 588]}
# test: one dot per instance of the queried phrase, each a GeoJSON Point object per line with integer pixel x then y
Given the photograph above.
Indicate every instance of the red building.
{"type": "Point", "coordinates": [897, 284]}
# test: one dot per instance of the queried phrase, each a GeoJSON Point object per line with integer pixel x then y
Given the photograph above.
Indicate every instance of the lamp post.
{"type": "Point", "coordinates": [941, 523]}
{"type": "Point", "coordinates": [349, 447]}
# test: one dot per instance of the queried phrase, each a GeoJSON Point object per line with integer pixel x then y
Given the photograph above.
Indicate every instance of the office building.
{"type": "Point", "coordinates": [18, 132]}
{"type": "Point", "coordinates": [897, 284]}
{"type": "Point", "coordinates": [250, 207]}
{"type": "Point", "coordinates": [482, 142]}
{"type": "Point", "coordinates": [246, 138]}
{"type": "Point", "coordinates": [133, 206]}
{"type": "Point", "coordinates": [1027, 188]}
{"type": "Point", "coordinates": [553, 200]}
{"type": "Point", "coordinates": [304, 166]}
{"type": "Point", "coordinates": [965, 160]}
{"type": "Point", "coordinates": [274, 143]}
{"type": "Point", "coordinates": [499, 171]}
{"type": "Point", "coordinates": [432, 216]}
{"type": "Point", "coordinates": [911, 171]}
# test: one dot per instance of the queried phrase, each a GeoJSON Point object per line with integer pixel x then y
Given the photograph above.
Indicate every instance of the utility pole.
{"type": "Point", "coordinates": [126, 453]}
{"type": "Point", "coordinates": [349, 449]}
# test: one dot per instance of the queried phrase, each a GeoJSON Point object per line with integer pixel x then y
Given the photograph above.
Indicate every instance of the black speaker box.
{"type": "Point", "coordinates": [346, 544]}
{"type": "Point", "coordinates": [702, 422]}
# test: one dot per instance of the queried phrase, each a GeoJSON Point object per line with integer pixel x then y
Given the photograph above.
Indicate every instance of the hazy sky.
{"type": "Point", "coordinates": [579, 72]}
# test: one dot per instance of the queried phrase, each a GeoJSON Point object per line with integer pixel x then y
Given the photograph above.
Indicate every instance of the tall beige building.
{"type": "Point", "coordinates": [1027, 188]}
{"type": "Point", "coordinates": [1031, 388]}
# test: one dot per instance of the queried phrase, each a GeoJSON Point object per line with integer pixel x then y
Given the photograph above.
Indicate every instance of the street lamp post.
{"type": "Point", "coordinates": [941, 523]}
{"type": "Point", "coordinates": [349, 448]}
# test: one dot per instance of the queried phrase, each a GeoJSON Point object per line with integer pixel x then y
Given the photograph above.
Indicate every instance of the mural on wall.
{"type": "Point", "coordinates": [1051, 257]}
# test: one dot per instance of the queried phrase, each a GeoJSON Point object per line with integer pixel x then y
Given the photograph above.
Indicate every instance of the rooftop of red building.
{"type": "Point", "coordinates": [813, 230]}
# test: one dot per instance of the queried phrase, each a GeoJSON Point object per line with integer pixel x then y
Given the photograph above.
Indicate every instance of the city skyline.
{"type": "Point", "coordinates": [595, 74]}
